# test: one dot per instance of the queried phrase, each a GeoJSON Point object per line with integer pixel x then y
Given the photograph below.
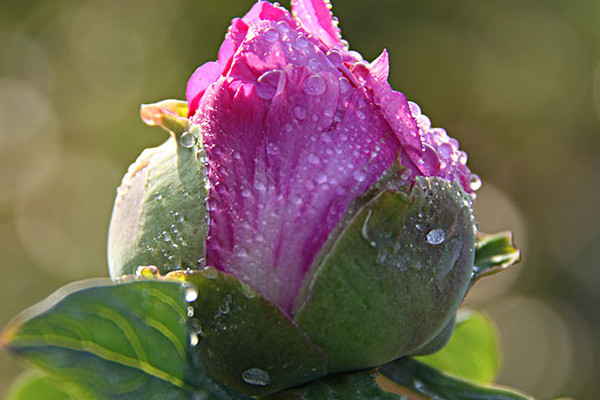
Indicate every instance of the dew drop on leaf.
{"type": "Point", "coordinates": [187, 139]}
{"type": "Point", "coordinates": [191, 294]}
{"type": "Point", "coordinates": [256, 377]}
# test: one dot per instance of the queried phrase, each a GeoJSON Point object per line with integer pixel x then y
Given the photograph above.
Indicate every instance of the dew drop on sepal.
{"type": "Point", "coordinates": [256, 377]}
{"type": "Point", "coordinates": [436, 236]}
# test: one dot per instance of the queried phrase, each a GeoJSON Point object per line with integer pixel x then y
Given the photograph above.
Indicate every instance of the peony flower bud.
{"type": "Point", "coordinates": [328, 193]}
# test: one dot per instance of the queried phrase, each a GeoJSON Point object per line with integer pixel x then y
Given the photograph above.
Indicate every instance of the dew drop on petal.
{"type": "Point", "coordinates": [282, 27]}
{"type": "Point", "coordinates": [190, 311]}
{"type": "Point", "coordinates": [360, 113]}
{"type": "Point", "coordinates": [299, 112]}
{"type": "Point", "coordinates": [415, 110]}
{"type": "Point", "coordinates": [436, 236]}
{"type": "Point", "coordinates": [344, 84]}
{"type": "Point", "coordinates": [301, 42]}
{"type": "Point", "coordinates": [187, 140]}
{"type": "Point", "coordinates": [335, 57]}
{"type": "Point", "coordinates": [271, 34]}
{"type": "Point", "coordinates": [272, 149]}
{"type": "Point", "coordinates": [269, 82]}
{"type": "Point", "coordinates": [314, 64]}
{"type": "Point", "coordinates": [321, 177]}
{"type": "Point", "coordinates": [315, 85]}
{"type": "Point", "coordinates": [359, 175]}
{"type": "Point", "coordinates": [260, 186]}
{"type": "Point", "coordinates": [256, 377]}
{"type": "Point", "coordinates": [445, 150]}
{"type": "Point", "coordinates": [313, 158]}
{"type": "Point", "coordinates": [475, 182]}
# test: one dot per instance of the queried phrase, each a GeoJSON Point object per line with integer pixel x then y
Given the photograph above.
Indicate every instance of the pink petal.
{"type": "Point", "coordinates": [285, 169]}
{"type": "Point", "coordinates": [316, 17]}
{"type": "Point", "coordinates": [200, 80]}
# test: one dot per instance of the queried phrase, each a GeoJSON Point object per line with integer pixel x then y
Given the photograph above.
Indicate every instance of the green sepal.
{"type": "Point", "coordinates": [438, 342]}
{"type": "Point", "coordinates": [435, 385]}
{"type": "Point", "coordinates": [356, 386]}
{"type": "Point", "coordinates": [472, 352]}
{"type": "Point", "coordinates": [494, 253]}
{"type": "Point", "coordinates": [159, 217]}
{"type": "Point", "coordinates": [109, 341]}
{"type": "Point", "coordinates": [171, 115]}
{"type": "Point", "coordinates": [246, 341]}
{"type": "Point", "coordinates": [379, 289]}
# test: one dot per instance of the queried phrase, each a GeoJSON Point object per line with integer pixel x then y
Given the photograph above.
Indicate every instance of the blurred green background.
{"type": "Point", "coordinates": [516, 81]}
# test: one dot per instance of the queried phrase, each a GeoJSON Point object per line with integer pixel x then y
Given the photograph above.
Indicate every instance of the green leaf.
{"type": "Point", "coordinates": [36, 386]}
{"type": "Point", "coordinates": [435, 385]}
{"type": "Point", "coordinates": [355, 386]}
{"type": "Point", "coordinates": [380, 289]}
{"type": "Point", "coordinates": [472, 352]}
{"type": "Point", "coordinates": [246, 341]}
{"type": "Point", "coordinates": [494, 253]}
{"type": "Point", "coordinates": [159, 217]}
{"type": "Point", "coordinates": [114, 341]}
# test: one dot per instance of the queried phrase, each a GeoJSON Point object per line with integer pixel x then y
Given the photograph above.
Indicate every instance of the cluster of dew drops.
{"type": "Point", "coordinates": [252, 376]}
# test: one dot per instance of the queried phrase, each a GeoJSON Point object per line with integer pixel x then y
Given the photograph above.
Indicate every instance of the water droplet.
{"type": "Point", "coordinates": [315, 85]}
{"type": "Point", "coordinates": [344, 84]}
{"type": "Point", "coordinates": [210, 272]}
{"type": "Point", "coordinates": [260, 186]}
{"type": "Point", "coordinates": [359, 175]}
{"type": "Point", "coordinates": [269, 83]}
{"type": "Point", "coordinates": [194, 339]}
{"type": "Point", "coordinates": [301, 42]}
{"type": "Point", "coordinates": [445, 150]}
{"type": "Point", "coordinates": [436, 236]}
{"type": "Point", "coordinates": [166, 236]}
{"type": "Point", "coordinates": [246, 192]}
{"type": "Point", "coordinates": [179, 217]}
{"type": "Point", "coordinates": [365, 230]}
{"type": "Point", "coordinates": [321, 178]}
{"type": "Point", "coordinates": [282, 27]}
{"type": "Point", "coordinates": [299, 112]}
{"type": "Point", "coordinates": [415, 110]}
{"type": "Point", "coordinates": [475, 182]}
{"type": "Point", "coordinates": [314, 64]}
{"type": "Point", "coordinates": [190, 311]}
{"type": "Point", "coordinates": [271, 34]}
{"type": "Point", "coordinates": [272, 149]}
{"type": "Point", "coordinates": [146, 271]}
{"type": "Point", "coordinates": [256, 377]}
{"type": "Point", "coordinates": [424, 122]}
{"type": "Point", "coordinates": [335, 57]}
{"type": "Point", "coordinates": [225, 307]}
{"type": "Point", "coordinates": [313, 158]}
{"type": "Point", "coordinates": [191, 293]}
{"type": "Point", "coordinates": [247, 291]}
{"type": "Point", "coordinates": [187, 140]}
{"type": "Point", "coordinates": [360, 113]}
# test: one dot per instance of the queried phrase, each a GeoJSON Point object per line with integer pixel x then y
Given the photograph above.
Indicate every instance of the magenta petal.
{"type": "Point", "coordinates": [283, 172]}
{"type": "Point", "coordinates": [200, 80]}
{"type": "Point", "coordinates": [316, 17]}
{"type": "Point", "coordinates": [395, 109]}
